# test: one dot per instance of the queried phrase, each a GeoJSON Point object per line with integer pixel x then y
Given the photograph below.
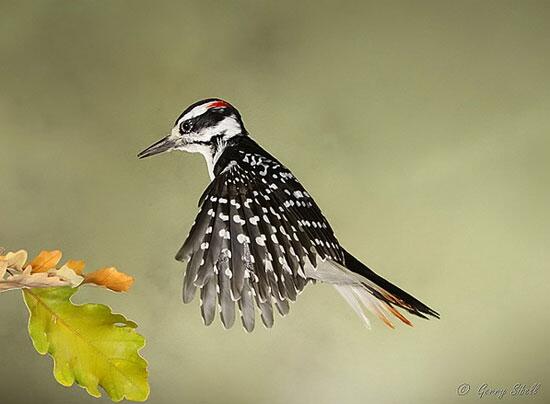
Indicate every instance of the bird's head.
{"type": "Point", "coordinates": [203, 127]}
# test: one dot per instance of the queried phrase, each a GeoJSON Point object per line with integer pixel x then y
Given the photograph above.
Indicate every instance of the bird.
{"type": "Point", "coordinates": [259, 238]}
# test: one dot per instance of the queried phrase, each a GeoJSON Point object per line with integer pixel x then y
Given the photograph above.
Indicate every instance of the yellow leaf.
{"type": "Point", "coordinates": [45, 261]}
{"type": "Point", "coordinates": [111, 279]}
{"type": "Point", "coordinates": [90, 345]}
{"type": "Point", "coordinates": [76, 265]}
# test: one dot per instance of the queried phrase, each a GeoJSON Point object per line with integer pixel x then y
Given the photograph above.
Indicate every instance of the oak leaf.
{"type": "Point", "coordinates": [18, 278]}
{"type": "Point", "coordinates": [16, 259]}
{"type": "Point", "coordinates": [110, 278]}
{"type": "Point", "coordinates": [89, 344]}
{"type": "Point", "coordinates": [25, 279]}
{"type": "Point", "coordinates": [46, 260]}
{"type": "Point", "coordinates": [76, 265]}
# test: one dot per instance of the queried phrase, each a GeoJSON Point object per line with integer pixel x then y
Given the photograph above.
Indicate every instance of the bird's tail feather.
{"type": "Point", "coordinates": [351, 297]}
{"type": "Point", "coordinates": [363, 289]}
{"type": "Point", "coordinates": [387, 291]}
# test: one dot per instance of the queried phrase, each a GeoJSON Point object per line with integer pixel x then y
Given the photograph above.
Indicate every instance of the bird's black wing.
{"type": "Point", "coordinates": [256, 231]}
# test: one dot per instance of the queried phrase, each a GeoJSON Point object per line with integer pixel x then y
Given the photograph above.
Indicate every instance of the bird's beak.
{"type": "Point", "coordinates": [163, 145]}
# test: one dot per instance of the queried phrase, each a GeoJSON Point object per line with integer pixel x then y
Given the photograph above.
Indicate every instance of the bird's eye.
{"type": "Point", "coordinates": [185, 126]}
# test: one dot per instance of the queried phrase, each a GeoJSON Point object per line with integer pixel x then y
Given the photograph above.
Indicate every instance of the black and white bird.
{"type": "Point", "coordinates": [259, 237]}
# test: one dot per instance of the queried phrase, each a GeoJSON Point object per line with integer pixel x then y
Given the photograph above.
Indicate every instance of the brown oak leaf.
{"type": "Point", "coordinates": [45, 261]}
{"type": "Point", "coordinates": [110, 278]}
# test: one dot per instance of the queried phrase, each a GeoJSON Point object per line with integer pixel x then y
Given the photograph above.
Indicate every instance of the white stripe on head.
{"type": "Point", "coordinates": [229, 127]}
{"type": "Point", "coordinates": [202, 108]}
{"type": "Point", "coordinates": [198, 110]}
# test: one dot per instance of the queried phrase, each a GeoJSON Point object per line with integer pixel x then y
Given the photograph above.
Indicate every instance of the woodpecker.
{"type": "Point", "coordinates": [259, 237]}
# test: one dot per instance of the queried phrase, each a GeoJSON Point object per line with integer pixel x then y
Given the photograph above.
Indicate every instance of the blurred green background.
{"type": "Point", "coordinates": [421, 128]}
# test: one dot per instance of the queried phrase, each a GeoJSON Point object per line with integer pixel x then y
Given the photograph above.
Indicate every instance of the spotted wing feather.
{"type": "Point", "coordinates": [256, 231]}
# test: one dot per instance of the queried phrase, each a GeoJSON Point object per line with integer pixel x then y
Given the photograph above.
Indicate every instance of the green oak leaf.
{"type": "Point", "coordinates": [88, 343]}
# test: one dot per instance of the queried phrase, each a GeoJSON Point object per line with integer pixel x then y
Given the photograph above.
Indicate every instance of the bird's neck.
{"type": "Point", "coordinates": [216, 149]}
{"type": "Point", "coordinates": [236, 150]}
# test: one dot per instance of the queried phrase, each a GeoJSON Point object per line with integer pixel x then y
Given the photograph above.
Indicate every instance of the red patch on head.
{"type": "Point", "coordinates": [218, 104]}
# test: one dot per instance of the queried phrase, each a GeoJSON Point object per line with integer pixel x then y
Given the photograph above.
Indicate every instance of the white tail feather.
{"type": "Point", "coordinates": [348, 295]}
{"type": "Point", "coordinates": [372, 303]}
{"type": "Point", "coordinates": [352, 288]}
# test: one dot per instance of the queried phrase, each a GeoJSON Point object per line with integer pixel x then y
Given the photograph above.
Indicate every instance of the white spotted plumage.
{"type": "Point", "coordinates": [259, 237]}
